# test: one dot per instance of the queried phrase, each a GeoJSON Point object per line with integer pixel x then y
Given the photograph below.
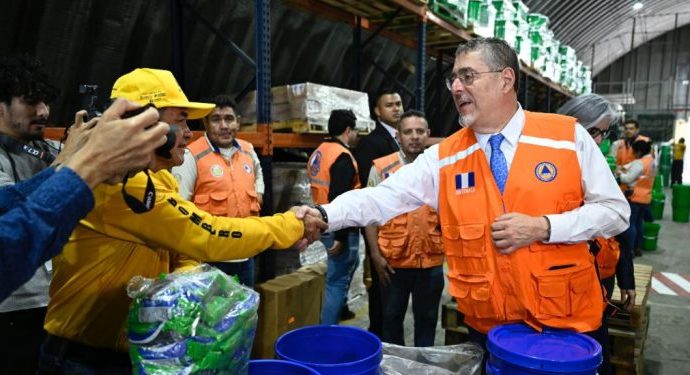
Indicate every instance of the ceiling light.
{"type": "Point", "coordinates": [638, 5]}
{"type": "Point", "coordinates": [686, 82]}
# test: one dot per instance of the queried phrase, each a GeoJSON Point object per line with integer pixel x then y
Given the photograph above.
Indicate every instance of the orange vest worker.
{"type": "Point", "coordinates": [225, 187]}
{"type": "Point", "coordinates": [553, 285]}
{"type": "Point", "coordinates": [411, 240]}
{"type": "Point", "coordinates": [624, 153]}
{"type": "Point", "coordinates": [319, 169]}
{"type": "Point", "coordinates": [642, 191]}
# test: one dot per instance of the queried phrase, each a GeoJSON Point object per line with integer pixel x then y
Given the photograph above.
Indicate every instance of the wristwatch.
{"type": "Point", "coordinates": [323, 213]}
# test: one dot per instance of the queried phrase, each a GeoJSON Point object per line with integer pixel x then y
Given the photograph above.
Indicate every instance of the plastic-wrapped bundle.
{"type": "Point", "coordinates": [192, 322]}
{"type": "Point", "coordinates": [462, 359]}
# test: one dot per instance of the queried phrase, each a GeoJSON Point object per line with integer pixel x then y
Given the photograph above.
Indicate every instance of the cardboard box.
{"type": "Point", "coordinates": [286, 303]}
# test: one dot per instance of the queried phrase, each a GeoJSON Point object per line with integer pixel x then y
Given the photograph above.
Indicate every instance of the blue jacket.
{"type": "Point", "coordinates": [36, 218]}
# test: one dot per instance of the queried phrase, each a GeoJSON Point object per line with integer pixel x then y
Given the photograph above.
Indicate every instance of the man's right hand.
{"type": "Point", "coordinates": [383, 269]}
{"type": "Point", "coordinates": [117, 146]}
{"type": "Point", "coordinates": [336, 249]}
{"type": "Point", "coordinates": [313, 222]}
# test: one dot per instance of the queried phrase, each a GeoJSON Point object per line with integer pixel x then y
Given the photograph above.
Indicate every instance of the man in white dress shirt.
{"type": "Point", "coordinates": [516, 216]}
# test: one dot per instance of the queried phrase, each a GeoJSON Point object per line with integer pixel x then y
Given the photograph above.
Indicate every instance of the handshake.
{"type": "Point", "coordinates": [314, 225]}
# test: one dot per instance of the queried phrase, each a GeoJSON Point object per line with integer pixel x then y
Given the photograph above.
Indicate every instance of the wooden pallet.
{"type": "Point", "coordinates": [643, 282]}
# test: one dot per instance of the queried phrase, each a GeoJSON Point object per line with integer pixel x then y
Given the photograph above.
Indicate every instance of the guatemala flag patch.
{"type": "Point", "coordinates": [464, 183]}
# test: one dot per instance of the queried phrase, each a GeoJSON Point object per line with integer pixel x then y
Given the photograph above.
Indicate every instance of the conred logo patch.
{"type": "Point", "coordinates": [545, 171]}
{"type": "Point", "coordinates": [217, 170]}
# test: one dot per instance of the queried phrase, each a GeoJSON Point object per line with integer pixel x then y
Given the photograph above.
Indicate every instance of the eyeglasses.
{"type": "Point", "coordinates": [595, 132]}
{"type": "Point", "coordinates": [466, 77]}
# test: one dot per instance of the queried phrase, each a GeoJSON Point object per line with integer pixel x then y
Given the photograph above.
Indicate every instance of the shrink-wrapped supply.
{"type": "Point", "coordinates": [194, 321]}
{"type": "Point", "coordinates": [306, 107]}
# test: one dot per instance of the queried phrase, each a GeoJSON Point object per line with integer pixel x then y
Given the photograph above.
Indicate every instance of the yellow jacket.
{"type": "Point", "coordinates": [112, 244]}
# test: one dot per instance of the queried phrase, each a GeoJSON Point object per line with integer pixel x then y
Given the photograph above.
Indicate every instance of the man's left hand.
{"type": "Point", "coordinates": [513, 230]}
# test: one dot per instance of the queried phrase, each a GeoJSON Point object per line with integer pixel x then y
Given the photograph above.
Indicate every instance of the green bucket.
{"type": "Point", "coordinates": [681, 196]}
{"type": "Point", "coordinates": [657, 207]}
{"type": "Point", "coordinates": [605, 146]}
{"type": "Point", "coordinates": [650, 236]}
{"type": "Point", "coordinates": [658, 184]}
{"type": "Point", "coordinates": [681, 214]}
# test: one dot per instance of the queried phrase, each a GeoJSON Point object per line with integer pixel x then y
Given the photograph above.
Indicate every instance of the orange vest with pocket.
{"type": "Point", "coordinates": [607, 257]}
{"type": "Point", "coordinates": [225, 187]}
{"type": "Point", "coordinates": [542, 284]}
{"type": "Point", "coordinates": [319, 169]}
{"type": "Point", "coordinates": [411, 240]}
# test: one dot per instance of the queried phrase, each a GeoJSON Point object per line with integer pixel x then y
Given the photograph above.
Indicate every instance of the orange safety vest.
{"type": "Point", "coordinates": [607, 257]}
{"type": "Point", "coordinates": [411, 240]}
{"type": "Point", "coordinates": [225, 187]}
{"type": "Point", "coordinates": [642, 191]}
{"type": "Point", "coordinates": [624, 153]}
{"type": "Point", "coordinates": [319, 169]}
{"type": "Point", "coordinates": [542, 284]}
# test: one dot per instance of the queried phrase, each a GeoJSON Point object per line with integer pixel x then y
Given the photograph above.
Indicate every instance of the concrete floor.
{"type": "Point", "coordinates": [667, 350]}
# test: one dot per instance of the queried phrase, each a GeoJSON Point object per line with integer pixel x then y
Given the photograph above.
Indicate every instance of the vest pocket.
{"type": "Point", "coordinates": [392, 245]}
{"type": "Point", "coordinates": [465, 240]}
{"type": "Point", "coordinates": [473, 295]}
{"type": "Point", "coordinates": [566, 293]}
{"type": "Point", "coordinates": [254, 206]}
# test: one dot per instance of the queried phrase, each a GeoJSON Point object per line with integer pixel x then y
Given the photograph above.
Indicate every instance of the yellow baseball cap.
{"type": "Point", "coordinates": [158, 87]}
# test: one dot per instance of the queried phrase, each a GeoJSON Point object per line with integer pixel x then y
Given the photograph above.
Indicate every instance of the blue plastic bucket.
{"type": "Point", "coordinates": [276, 367]}
{"type": "Point", "coordinates": [518, 349]}
{"type": "Point", "coordinates": [332, 349]}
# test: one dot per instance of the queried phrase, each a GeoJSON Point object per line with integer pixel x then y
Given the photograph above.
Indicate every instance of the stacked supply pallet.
{"type": "Point", "coordinates": [628, 333]}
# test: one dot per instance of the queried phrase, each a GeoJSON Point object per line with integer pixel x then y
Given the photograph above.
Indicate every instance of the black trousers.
{"type": "Point", "coordinates": [677, 172]}
{"type": "Point", "coordinates": [375, 301]}
{"type": "Point", "coordinates": [22, 335]}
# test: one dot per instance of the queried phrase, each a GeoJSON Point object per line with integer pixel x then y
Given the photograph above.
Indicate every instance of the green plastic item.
{"type": "Point", "coordinates": [605, 147]}
{"type": "Point", "coordinates": [650, 236]}
{"type": "Point", "coordinates": [681, 196]}
{"type": "Point", "coordinates": [657, 207]}
{"type": "Point", "coordinates": [681, 214]}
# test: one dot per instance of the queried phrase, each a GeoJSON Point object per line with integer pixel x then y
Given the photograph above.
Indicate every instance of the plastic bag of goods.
{"type": "Point", "coordinates": [199, 321]}
{"type": "Point", "coordinates": [461, 359]}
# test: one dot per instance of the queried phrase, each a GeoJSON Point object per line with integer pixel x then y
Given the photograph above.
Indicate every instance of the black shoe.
{"type": "Point", "coordinates": [346, 314]}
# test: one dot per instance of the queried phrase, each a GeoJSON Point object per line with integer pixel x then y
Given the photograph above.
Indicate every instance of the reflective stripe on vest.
{"type": "Point", "coordinates": [542, 284]}
{"type": "Point", "coordinates": [411, 240]}
{"type": "Point", "coordinates": [222, 187]}
{"type": "Point", "coordinates": [319, 169]}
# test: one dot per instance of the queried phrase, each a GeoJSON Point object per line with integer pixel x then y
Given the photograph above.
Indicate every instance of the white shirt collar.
{"type": "Point", "coordinates": [511, 131]}
{"type": "Point", "coordinates": [390, 129]}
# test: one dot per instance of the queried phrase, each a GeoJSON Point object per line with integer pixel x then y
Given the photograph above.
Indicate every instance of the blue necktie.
{"type": "Point", "coordinates": [499, 166]}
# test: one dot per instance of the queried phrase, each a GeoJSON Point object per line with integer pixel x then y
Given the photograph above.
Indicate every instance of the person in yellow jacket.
{"type": "Point", "coordinates": [222, 175]}
{"type": "Point", "coordinates": [677, 164]}
{"type": "Point", "coordinates": [515, 201]}
{"type": "Point", "coordinates": [407, 251]}
{"type": "Point", "coordinates": [637, 179]}
{"type": "Point", "coordinates": [123, 238]}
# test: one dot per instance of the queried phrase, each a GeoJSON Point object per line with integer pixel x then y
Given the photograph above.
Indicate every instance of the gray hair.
{"type": "Point", "coordinates": [589, 110]}
{"type": "Point", "coordinates": [496, 54]}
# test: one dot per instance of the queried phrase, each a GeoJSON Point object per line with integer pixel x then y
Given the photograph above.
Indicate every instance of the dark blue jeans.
{"type": "Point", "coordinates": [64, 357]}
{"type": "Point", "coordinates": [338, 276]}
{"type": "Point", "coordinates": [636, 230]}
{"type": "Point", "coordinates": [425, 285]}
{"type": "Point", "coordinates": [243, 270]}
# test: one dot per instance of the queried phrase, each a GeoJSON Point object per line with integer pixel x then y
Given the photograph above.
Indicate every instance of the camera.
{"type": "Point", "coordinates": [87, 101]}
{"type": "Point", "coordinates": [164, 150]}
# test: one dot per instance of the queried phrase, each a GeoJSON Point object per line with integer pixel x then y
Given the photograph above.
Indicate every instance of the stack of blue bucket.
{"type": "Point", "coordinates": [520, 350]}
{"type": "Point", "coordinates": [325, 350]}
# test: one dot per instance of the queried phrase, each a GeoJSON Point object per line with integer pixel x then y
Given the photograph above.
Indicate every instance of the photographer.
{"type": "Point", "coordinates": [122, 238]}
